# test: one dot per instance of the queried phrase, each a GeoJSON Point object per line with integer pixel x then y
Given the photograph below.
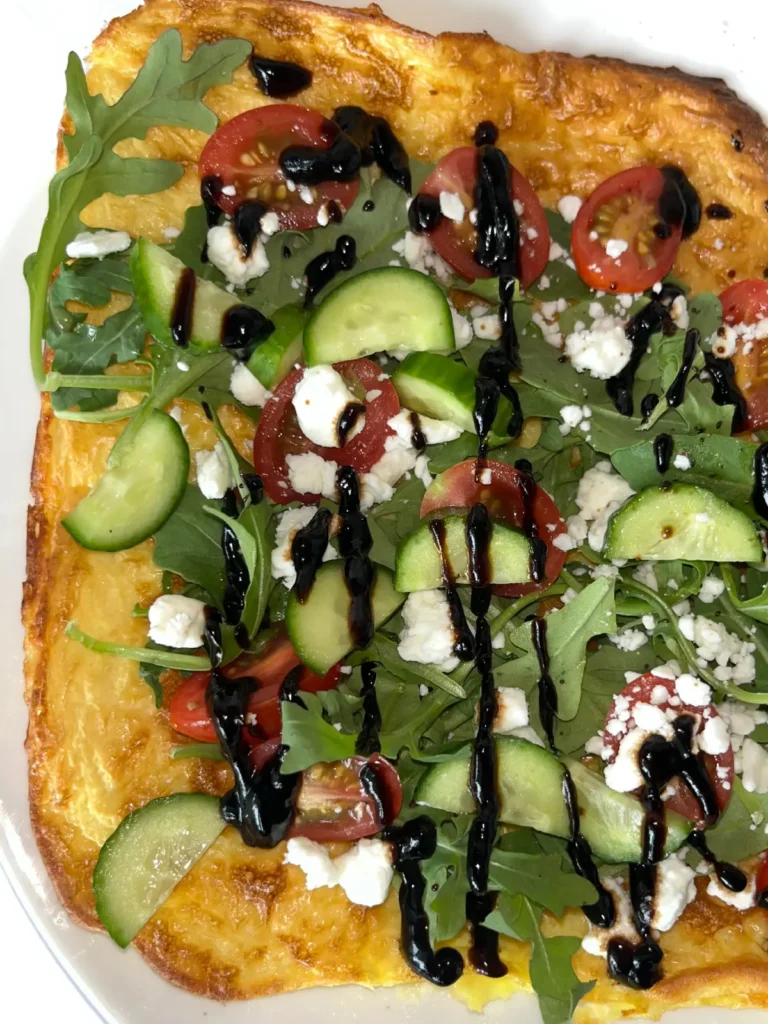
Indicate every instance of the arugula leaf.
{"type": "Point", "coordinates": [250, 529]}
{"type": "Point", "coordinates": [705, 313]}
{"type": "Point", "coordinates": [90, 282]}
{"type": "Point", "coordinates": [564, 282]}
{"type": "Point", "coordinates": [735, 837]}
{"type": "Point", "coordinates": [755, 607]}
{"type": "Point", "coordinates": [310, 738]}
{"type": "Point", "coordinates": [151, 676]}
{"type": "Point", "coordinates": [385, 651]}
{"type": "Point", "coordinates": [167, 90]}
{"type": "Point", "coordinates": [590, 613]}
{"type": "Point", "coordinates": [720, 463]}
{"type": "Point", "coordinates": [189, 544]}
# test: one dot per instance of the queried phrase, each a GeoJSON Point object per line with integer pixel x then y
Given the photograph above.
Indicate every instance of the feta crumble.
{"type": "Point", "coordinates": [177, 621]}
{"type": "Point", "coordinates": [226, 254]}
{"type": "Point", "coordinates": [214, 473]}
{"type": "Point", "coordinates": [288, 525]}
{"type": "Point", "coordinates": [96, 244]}
{"type": "Point", "coordinates": [320, 400]}
{"type": "Point", "coordinates": [568, 207]}
{"type": "Point", "coordinates": [452, 207]}
{"type": "Point", "coordinates": [428, 635]}
{"type": "Point", "coordinates": [246, 388]}
{"type": "Point", "coordinates": [602, 350]}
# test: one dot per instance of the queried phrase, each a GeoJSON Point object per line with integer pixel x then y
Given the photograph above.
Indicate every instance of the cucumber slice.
{"type": "Point", "coordinates": [531, 790]}
{"type": "Point", "coordinates": [155, 276]}
{"type": "Point", "coordinates": [435, 386]}
{"type": "Point", "coordinates": [135, 497]}
{"type": "Point", "coordinates": [680, 521]}
{"type": "Point", "coordinates": [147, 856]}
{"type": "Point", "coordinates": [274, 359]}
{"type": "Point", "coordinates": [319, 628]}
{"type": "Point", "coordinates": [389, 308]}
{"type": "Point", "coordinates": [418, 565]}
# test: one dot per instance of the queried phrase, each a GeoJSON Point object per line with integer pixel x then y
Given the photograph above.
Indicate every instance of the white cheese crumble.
{"type": "Point", "coordinates": [95, 244]}
{"type": "Point", "coordinates": [600, 493]}
{"type": "Point", "coordinates": [713, 738]}
{"type": "Point", "coordinates": [711, 589]}
{"type": "Point", "coordinates": [602, 350]}
{"type": "Point", "coordinates": [681, 461]}
{"type": "Point", "coordinates": [462, 328]}
{"type": "Point", "coordinates": [675, 889]}
{"type": "Point", "coordinates": [734, 658]}
{"type": "Point", "coordinates": [574, 416]}
{"type": "Point", "coordinates": [754, 763]}
{"type": "Point", "coordinates": [512, 710]}
{"type": "Point", "coordinates": [693, 691]}
{"type": "Point", "coordinates": [226, 253]}
{"type": "Point", "coordinates": [615, 248]}
{"type": "Point", "coordinates": [487, 327]}
{"type": "Point", "coordinates": [314, 861]}
{"type": "Point", "coordinates": [738, 900]}
{"type": "Point", "coordinates": [428, 635]}
{"type": "Point", "coordinates": [365, 872]}
{"type": "Point", "coordinates": [419, 255]}
{"type": "Point", "coordinates": [214, 473]}
{"type": "Point", "coordinates": [269, 223]}
{"type": "Point", "coordinates": [177, 621]}
{"type": "Point", "coordinates": [629, 640]}
{"type": "Point", "coordinates": [597, 939]}
{"type": "Point", "coordinates": [679, 312]}
{"type": "Point", "coordinates": [246, 388]}
{"type": "Point", "coordinates": [646, 574]}
{"type": "Point", "coordinates": [288, 525]}
{"type": "Point", "coordinates": [320, 399]}
{"type": "Point", "coordinates": [452, 207]}
{"type": "Point", "coordinates": [568, 207]}
{"type": "Point", "coordinates": [434, 431]}
{"type": "Point", "coordinates": [310, 474]}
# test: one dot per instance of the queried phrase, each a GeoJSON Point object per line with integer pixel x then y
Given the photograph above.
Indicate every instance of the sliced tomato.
{"type": "Point", "coordinates": [747, 303]}
{"type": "Point", "coordinates": [189, 708]}
{"type": "Point", "coordinates": [761, 881]}
{"type": "Point", "coordinates": [625, 209]}
{"type": "Point", "coordinates": [332, 803]}
{"type": "Point", "coordinates": [244, 153]}
{"type": "Point", "coordinates": [719, 766]}
{"type": "Point", "coordinates": [456, 243]}
{"type": "Point", "coordinates": [457, 487]}
{"type": "Point", "coordinates": [278, 433]}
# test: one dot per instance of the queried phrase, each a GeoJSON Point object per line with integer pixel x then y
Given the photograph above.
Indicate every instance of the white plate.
{"type": "Point", "coordinates": [118, 985]}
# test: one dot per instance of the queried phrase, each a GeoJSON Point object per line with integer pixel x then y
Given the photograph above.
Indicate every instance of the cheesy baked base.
{"type": "Point", "coordinates": [241, 924]}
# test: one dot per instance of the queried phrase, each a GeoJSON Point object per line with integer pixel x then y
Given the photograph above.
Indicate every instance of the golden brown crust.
{"type": "Point", "coordinates": [241, 924]}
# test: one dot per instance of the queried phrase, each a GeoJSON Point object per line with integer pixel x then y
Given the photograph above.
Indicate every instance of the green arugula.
{"type": "Point", "coordinates": [251, 530]}
{"type": "Point", "coordinates": [590, 613]}
{"type": "Point", "coordinates": [189, 544]}
{"type": "Point", "coordinates": [310, 738]}
{"type": "Point", "coordinates": [167, 91]}
{"type": "Point", "coordinates": [755, 607]}
{"type": "Point", "coordinates": [564, 282]}
{"type": "Point", "coordinates": [735, 836]}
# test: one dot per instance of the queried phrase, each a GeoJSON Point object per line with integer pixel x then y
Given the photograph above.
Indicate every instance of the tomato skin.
{"type": "Point", "coordinates": [456, 243]}
{"type": "Point", "coordinates": [278, 433]}
{"type": "Point", "coordinates": [274, 127]}
{"type": "Point", "coordinates": [761, 881]}
{"type": "Point", "coordinates": [458, 488]}
{"type": "Point", "coordinates": [746, 302]}
{"type": "Point", "coordinates": [631, 271]}
{"type": "Point", "coordinates": [189, 711]}
{"type": "Point", "coordinates": [682, 801]}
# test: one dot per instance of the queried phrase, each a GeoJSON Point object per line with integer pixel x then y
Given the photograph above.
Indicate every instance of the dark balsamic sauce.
{"type": "Point", "coordinates": [415, 841]}
{"type": "Point", "coordinates": [238, 577]}
{"type": "Point", "coordinates": [679, 202]}
{"type": "Point", "coordinates": [483, 414]}
{"type": "Point", "coordinates": [643, 324]}
{"type": "Point", "coordinates": [495, 365]}
{"type": "Point", "coordinates": [355, 542]}
{"type": "Point", "coordinates": [418, 440]}
{"type": "Point", "coordinates": [760, 489]}
{"type": "Point", "coordinates": [369, 206]}
{"type": "Point", "coordinates": [311, 165]}
{"type": "Point", "coordinates": [368, 739]}
{"type": "Point", "coordinates": [210, 193]}
{"type": "Point", "coordinates": [321, 270]}
{"type": "Point", "coordinates": [242, 329]}
{"type": "Point", "coordinates": [246, 224]}
{"type": "Point", "coordinates": [725, 390]}
{"type": "Point", "coordinates": [728, 875]}
{"type": "Point", "coordinates": [261, 804]}
{"type": "Point", "coordinates": [663, 446]}
{"type": "Point", "coordinates": [648, 404]}
{"type": "Point", "coordinates": [424, 213]}
{"type": "Point", "coordinates": [255, 486]}
{"type": "Point", "coordinates": [350, 415]}
{"type": "Point", "coordinates": [291, 686]}
{"type": "Point", "coordinates": [463, 641]}
{"type": "Point", "coordinates": [374, 785]}
{"type": "Point", "coordinates": [183, 307]}
{"type": "Point", "coordinates": [279, 78]}
{"type": "Point", "coordinates": [335, 212]}
{"type": "Point", "coordinates": [716, 211]}
{"type": "Point", "coordinates": [377, 143]}
{"type": "Point", "coordinates": [676, 390]}
{"type": "Point", "coordinates": [307, 549]}
{"type": "Point", "coordinates": [486, 134]}
{"type": "Point", "coordinates": [530, 529]}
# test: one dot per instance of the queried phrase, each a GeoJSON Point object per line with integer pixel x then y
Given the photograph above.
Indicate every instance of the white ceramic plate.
{"type": "Point", "coordinates": [694, 34]}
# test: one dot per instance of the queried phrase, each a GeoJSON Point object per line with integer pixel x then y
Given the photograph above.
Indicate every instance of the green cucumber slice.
{"type": "Point", "coordinates": [385, 309]}
{"type": "Point", "coordinates": [135, 497]}
{"type": "Point", "coordinates": [435, 386]}
{"type": "Point", "coordinates": [531, 790]}
{"type": "Point", "coordinates": [155, 276]}
{"type": "Point", "coordinates": [680, 521]}
{"type": "Point", "coordinates": [147, 856]}
{"type": "Point", "coordinates": [418, 564]}
{"type": "Point", "coordinates": [274, 359]}
{"type": "Point", "coordinates": [319, 628]}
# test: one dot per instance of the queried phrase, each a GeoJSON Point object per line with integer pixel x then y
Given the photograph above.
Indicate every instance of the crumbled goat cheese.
{"type": "Point", "coordinates": [462, 328]}
{"type": "Point", "coordinates": [568, 207]}
{"type": "Point", "coordinates": [754, 762]}
{"type": "Point", "coordinates": [512, 710]}
{"type": "Point", "coordinates": [322, 216]}
{"type": "Point", "coordinates": [487, 327]}
{"type": "Point", "coordinates": [486, 476]}
{"type": "Point", "coordinates": [419, 254]}
{"type": "Point", "coordinates": [646, 574]}
{"type": "Point", "coordinates": [95, 244]}
{"type": "Point", "coordinates": [675, 889]}
{"type": "Point", "coordinates": [177, 621]}
{"type": "Point", "coordinates": [738, 900]}
{"type": "Point", "coordinates": [713, 738]}
{"type": "Point", "coordinates": [574, 416]}
{"type": "Point", "coordinates": [608, 571]}
{"type": "Point", "coordinates": [313, 859]}
{"type": "Point", "coordinates": [693, 691]}
{"type": "Point", "coordinates": [597, 940]}
{"type": "Point", "coordinates": [434, 431]}
{"type": "Point", "coordinates": [288, 525]}
{"type": "Point", "coordinates": [556, 252]}
{"type": "Point", "coordinates": [428, 635]}
{"type": "Point", "coordinates": [214, 473]}
{"type": "Point", "coordinates": [171, 233]}
{"type": "Point", "coordinates": [452, 207]}
{"type": "Point", "coordinates": [711, 589]}
{"type": "Point", "coordinates": [365, 872]}
{"type": "Point", "coordinates": [226, 253]}
{"type": "Point", "coordinates": [321, 398]}
{"type": "Point", "coordinates": [615, 247]}
{"type": "Point", "coordinates": [679, 312]}
{"type": "Point", "coordinates": [734, 657]}
{"type": "Point", "coordinates": [577, 533]}
{"type": "Point", "coordinates": [269, 224]}
{"type": "Point", "coordinates": [311, 474]}
{"type": "Point", "coordinates": [629, 640]}
{"type": "Point", "coordinates": [681, 461]}
{"type": "Point", "coordinates": [602, 350]}
{"type": "Point", "coordinates": [600, 493]}
{"type": "Point", "coordinates": [246, 388]}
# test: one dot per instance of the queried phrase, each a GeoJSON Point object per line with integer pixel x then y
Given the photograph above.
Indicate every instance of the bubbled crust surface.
{"type": "Point", "coordinates": [241, 924]}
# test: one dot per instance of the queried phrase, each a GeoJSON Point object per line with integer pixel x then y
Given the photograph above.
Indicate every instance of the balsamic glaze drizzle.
{"type": "Point", "coordinates": [663, 446]}
{"type": "Point", "coordinates": [261, 805]}
{"type": "Point", "coordinates": [310, 165]}
{"type": "Point", "coordinates": [725, 390]}
{"type": "Point", "coordinates": [483, 414]}
{"type": "Point", "coordinates": [242, 329]}
{"type": "Point", "coordinates": [679, 202]}
{"type": "Point", "coordinates": [424, 213]}
{"type": "Point", "coordinates": [463, 641]}
{"type": "Point", "coordinates": [530, 529]}
{"type": "Point", "coordinates": [648, 404]}
{"type": "Point", "coordinates": [717, 211]}
{"type": "Point", "coordinates": [486, 134]}
{"type": "Point", "coordinates": [279, 78]}
{"type": "Point", "coordinates": [246, 224]}
{"type": "Point", "coordinates": [728, 875]}
{"type": "Point", "coordinates": [210, 193]}
{"type": "Point", "coordinates": [290, 687]}
{"type": "Point", "coordinates": [321, 270]}
{"type": "Point", "coordinates": [307, 549]}
{"type": "Point", "coordinates": [760, 489]}
{"type": "Point", "coordinates": [368, 738]}
{"type": "Point", "coordinates": [238, 577]}
{"type": "Point", "coordinates": [377, 143]}
{"type": "Point", "coordinates": [676, 390]}
{"type": "Point", "coordinates": [354, 544]}
{"type": "Point", "coordinates": [643, 324]}
{"type": "Point", "coordinates": [415, 841]}
{"type": "Point", "coordinates": [183, 308]}
{"type": "Point", "coordinates": [418, 440]}
{"type": "Point", "coordinates": [350, 414]}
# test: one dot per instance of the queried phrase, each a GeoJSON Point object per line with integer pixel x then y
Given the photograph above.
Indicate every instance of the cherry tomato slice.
{"type": "Point", "coordinates": [244, 153]}
{"type": "Point", "coordinates": [189, 709]}
{"type": "Point", "coordinates": [747, 303]}
{"type": "Point", "coordinates": [456, 243]}
{"type": "Point", "coordinates": [458, 488]}
{"type": "Point", "coordinates": [719, 766]}
{"type": "Point", "coordinates": [761, 881]}
{"type": "Point", "coordinates": [278, 433]}
{"type": "Point", "coordinates": [624, 209]}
